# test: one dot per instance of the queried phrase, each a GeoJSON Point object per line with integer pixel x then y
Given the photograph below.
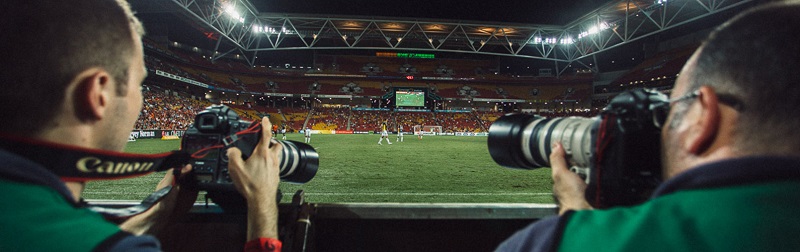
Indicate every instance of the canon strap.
{"type": "Point", "coordinates": [77, 164]}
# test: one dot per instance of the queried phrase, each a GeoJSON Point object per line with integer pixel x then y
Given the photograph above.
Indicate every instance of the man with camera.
{"type": "Point", "coordinates": [730, 152]}
{"type": "Point", "coordinates": [71, 80]}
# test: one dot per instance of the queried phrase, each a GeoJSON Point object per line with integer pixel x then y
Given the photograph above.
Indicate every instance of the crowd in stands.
{"type": "Point", "coordinates": [163, 111]}
{"type": "Point", "coordinates": [166, 110]}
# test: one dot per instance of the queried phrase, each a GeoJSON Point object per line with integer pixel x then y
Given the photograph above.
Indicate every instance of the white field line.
{"type": "Point", "coordinates": [429, 194]}
{"type": "Point", "coordinates": [385, 194]}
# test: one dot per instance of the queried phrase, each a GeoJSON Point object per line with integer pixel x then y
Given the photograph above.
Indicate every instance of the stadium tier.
{"type": "Point", "coordinates": [334, 74]}
{"type": "Point", "coordinates": [465, 86]}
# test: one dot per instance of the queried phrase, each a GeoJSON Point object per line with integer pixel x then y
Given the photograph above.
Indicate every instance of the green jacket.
{"type": "Point", "coordinates": [37, 213]}
{"type": "Point", "coordinates": [744, 204]}
{"type": "Point", "coordinates": [37, 218]}
{"type": "Point", "coordinates": [760, 217]}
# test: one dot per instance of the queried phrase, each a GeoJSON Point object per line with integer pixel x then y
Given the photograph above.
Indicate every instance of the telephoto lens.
{"type": "Point", "coordinates": [299, 162]}
{"type": "Point", "coordinates": [524, 141]}
{"type": "Point", "coordinates": [617, 153]}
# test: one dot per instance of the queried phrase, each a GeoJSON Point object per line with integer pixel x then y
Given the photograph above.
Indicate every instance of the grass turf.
{"type": "Point", "coordinates": [354, 168]}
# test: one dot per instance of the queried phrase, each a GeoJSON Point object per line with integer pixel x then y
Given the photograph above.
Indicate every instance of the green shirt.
{"type": "Point", "coordinates": [755, 217]}
{"type": "Point", "coordinates": [37, 218]}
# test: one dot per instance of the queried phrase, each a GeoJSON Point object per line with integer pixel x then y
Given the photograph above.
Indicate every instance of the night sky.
{"type": "Point", "coordinates": [555, 12]}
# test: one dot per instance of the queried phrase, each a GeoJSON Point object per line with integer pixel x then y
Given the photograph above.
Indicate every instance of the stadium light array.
{"type": "Point", "coordinates": [231, 11]}
{"type": "Point", "coordinates": [552, 41]}
{"type": "Point", "coordinates": [270, 30]}
{"type": "Point", "coordinates": [602, 26]}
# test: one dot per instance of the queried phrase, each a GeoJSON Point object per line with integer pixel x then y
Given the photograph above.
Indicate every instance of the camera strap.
{"type": "Point", "coordinates": [78, 164]}
{"type": "Point", "coordinates": [230, 140]}
{"type": "Point", "coordinates": [594, 190]}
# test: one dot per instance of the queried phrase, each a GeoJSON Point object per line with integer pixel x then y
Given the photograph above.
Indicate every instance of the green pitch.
{"type": "Point", "coordinates": [354, 168]}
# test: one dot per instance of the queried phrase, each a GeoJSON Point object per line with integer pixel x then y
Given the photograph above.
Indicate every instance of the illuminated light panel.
{"type": "Point", "coordinates": [406, 55]}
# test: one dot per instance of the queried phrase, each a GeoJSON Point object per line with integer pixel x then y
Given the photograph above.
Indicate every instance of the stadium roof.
{"type": "Point", "coordinates": [563, 32]}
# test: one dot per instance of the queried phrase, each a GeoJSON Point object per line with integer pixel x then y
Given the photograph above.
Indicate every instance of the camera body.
{"type": "Point", "coordinates": [618, 152]}
{"type": "Point", "coordinates": [215, 131]}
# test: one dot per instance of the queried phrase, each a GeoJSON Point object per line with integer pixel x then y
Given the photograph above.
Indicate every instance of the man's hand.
{"type": "Point", "coordinates": [177, 202]}
{"type": "Point", "coordinates": [568, 187]}
{"type": "Point", "coordinates": [257, 180]}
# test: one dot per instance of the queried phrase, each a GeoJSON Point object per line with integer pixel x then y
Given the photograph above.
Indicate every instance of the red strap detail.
{"type": "Point", "coordinates": [263, 244]}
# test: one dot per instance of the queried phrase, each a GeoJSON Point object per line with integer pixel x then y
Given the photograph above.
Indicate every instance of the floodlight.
{"type": "Point", "coordinates": [593, 30]}
{"type": "Point", "coordinates": [230, 10]}
{"type": "Point", "coordinates": [233, 13]}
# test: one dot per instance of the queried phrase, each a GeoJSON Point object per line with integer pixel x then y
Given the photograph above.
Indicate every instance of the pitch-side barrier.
{"type": "Point", "coordinates": [357, 226]}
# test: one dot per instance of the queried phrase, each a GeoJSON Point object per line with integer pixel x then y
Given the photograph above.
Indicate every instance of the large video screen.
{"type": "Point", "coordinates": [409, 98]}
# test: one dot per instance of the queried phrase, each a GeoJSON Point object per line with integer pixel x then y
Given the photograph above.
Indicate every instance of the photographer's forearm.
{"type": "Point", "coordinates": [569, 190]}
{"type": "Point", "coordinates": [564, 206]}
{"type": "Point", "coordinates": [262, 218]}
{"type": "Point", "coordinates": [568, 187]}
{"type": "Point", "coordinates": [178, 201]}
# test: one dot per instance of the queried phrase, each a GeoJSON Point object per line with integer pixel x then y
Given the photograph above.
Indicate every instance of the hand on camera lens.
{"type": "Point", "coordinates": [257, 180]}
{"type": "Point", "coordinates": [258, 176]}
{"type": "Point", "coordinates": [568, 187]}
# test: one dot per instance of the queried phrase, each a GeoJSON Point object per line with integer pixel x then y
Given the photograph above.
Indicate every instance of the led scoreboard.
{"type": "Point", "coordinates": [405, 55]}
{"type": "Point", "coordinates": [409, 98]}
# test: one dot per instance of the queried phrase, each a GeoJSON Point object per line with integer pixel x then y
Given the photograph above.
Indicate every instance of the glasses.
{"type": "Point", "coordinates": [661, 111]}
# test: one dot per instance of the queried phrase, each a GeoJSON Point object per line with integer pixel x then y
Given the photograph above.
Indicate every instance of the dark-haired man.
{"type": "Point", "coordinates": [731, 153]}
{"type": "Point", "coordinates": [71, 77]}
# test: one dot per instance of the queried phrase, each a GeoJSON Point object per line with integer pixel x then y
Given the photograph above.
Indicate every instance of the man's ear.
{"type": "Point", "coordinates": [92, 94]}
{"type": "Point", "coordinates": [707, 123]}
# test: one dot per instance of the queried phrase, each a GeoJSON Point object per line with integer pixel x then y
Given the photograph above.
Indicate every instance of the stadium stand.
{"type": "Point", "coordinates": [658, 71]}
{"type": "Point", "coordinates": [167, 110]}
{"type": "Point", "coordinates": [329, 118]}
{"type": "Point", "coordinates": [295, 118]}
{"type": "Point", "coordinates": [541, 94]}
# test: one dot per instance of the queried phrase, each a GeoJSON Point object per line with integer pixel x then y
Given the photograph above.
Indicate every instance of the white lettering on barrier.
{"type": "Point", "coordinates": [147, 133]}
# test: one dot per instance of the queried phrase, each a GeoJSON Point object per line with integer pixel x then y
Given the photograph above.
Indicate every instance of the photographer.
{"type": "Point", "coordinates": [730, 151]}
{"type": "Point", "coordinates": [71, 84]}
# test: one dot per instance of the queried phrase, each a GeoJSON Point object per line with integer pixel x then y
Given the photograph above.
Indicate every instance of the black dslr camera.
{"type": "Point", "coordinates": [218, 128]}
{"type": "Point", "coordinates": [618, 152]}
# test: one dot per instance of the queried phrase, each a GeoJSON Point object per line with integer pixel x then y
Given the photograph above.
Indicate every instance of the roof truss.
{"type": "Point", "coordinates": [612, 25]}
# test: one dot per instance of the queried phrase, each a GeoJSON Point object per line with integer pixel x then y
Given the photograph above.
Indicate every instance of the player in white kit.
{"type": "Point", "coordinates": [400, 133]}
